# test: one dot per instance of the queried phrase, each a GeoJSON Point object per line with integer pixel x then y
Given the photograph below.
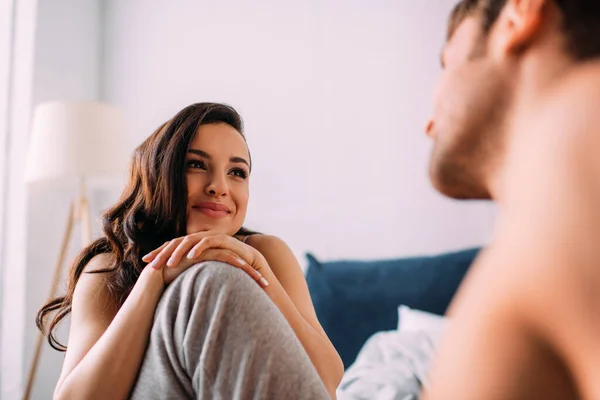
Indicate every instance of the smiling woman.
{"type": "Point", "coordinates": [185, 204]}
{"type": "Point", "coordinates": [217, 174]}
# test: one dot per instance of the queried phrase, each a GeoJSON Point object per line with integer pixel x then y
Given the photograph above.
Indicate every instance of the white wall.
{"type": "Point", "coordinates": [13, 262]}
{"type": "Point", "coordinates": [67, 67]}
{"type": "Point", "coordinates": [6, 41]}
{"type": "Point", "coordinates": [335, 95]}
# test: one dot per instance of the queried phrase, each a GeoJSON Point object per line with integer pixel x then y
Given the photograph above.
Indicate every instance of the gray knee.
{"type": "Point", "coordinates": [208, 281]}
{"type": "Point", "coordinates": [213, 275]}
{"type": "Point", "coordinates": [219, 272]}
{"type": "Point", "coordinates": [202, 318]}
{"type": "Point", "coordinates": [214, 297]}
{"type": "Point", "coordinates": [222, 336]}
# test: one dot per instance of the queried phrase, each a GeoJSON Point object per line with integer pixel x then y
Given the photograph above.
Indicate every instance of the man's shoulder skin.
{"type": "Point", "coordinates": [553, 215]}
{"type": "Point", "coordinates": [530, 305]}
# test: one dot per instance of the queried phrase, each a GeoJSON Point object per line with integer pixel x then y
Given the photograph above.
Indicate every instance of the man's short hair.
{"type": "Point", "coordinates": [461, 11]}
{"type": "Point", "coordinates": [581, 22]}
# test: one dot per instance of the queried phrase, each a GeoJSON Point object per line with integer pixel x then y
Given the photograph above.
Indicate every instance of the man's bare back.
{"type": "Point", "coordinates": [525, 323]}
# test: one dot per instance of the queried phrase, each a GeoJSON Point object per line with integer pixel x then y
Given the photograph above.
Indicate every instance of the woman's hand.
{"type": "Point", "coordinates": [181, 253]}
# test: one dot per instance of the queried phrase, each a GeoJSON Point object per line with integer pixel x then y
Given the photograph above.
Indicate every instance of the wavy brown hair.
{"type": "Point", "coordinates": [151, 210]}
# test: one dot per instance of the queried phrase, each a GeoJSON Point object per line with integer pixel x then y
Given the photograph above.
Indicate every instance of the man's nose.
{"type": "Point", "coordinates": [429, 127]}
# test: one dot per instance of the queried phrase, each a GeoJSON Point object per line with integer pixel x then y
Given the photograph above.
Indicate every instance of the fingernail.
{"type": "Point", "coordinates": [264, 281]}
{"type": "Point", "coordinates": [145, 257]}
{"type": "Point", "coordinates": [242, 262]}
{"type": "Point", "coordinates": [153, 264]}
{"type": "Point", "coordinates": [170, 262]}
{"type": "Point", "coordinates": [191, 254]}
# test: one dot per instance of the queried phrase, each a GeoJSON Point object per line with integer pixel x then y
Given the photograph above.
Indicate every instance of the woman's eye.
{"type": "Point", "coordinates": [196, 164]}
{"type": "Point", "coordinates": [239, 173]}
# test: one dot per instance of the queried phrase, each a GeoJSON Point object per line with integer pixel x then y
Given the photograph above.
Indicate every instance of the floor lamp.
{"type": "Point", "coordinates": [73, 142]}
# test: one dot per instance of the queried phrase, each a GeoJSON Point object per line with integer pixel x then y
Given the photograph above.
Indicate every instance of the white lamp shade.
{"type": "Point", "coordinates": [76, 140]}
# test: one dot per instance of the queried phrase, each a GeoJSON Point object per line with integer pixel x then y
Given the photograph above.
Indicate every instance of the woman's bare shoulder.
{"type": "Point", "coordinates": [92, 288]}
{"type": "Point", "coordinates": [267, 243]}
{"type": "Point", "coordinates": [98, 262]}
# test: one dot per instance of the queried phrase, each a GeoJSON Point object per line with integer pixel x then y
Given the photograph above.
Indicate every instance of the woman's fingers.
{"type": "Point", "coordinates": [150, 256]}
{"type": "Point", "coordinates": [223, 255]}
{"type": "Point", "coordinates": [184, 246]}
{"type": "Point", "coordinates": [205, 246]}
{"type": "Point", "coordinates": [189, 241]}
{"type": "Point", "coordinates": [229, 257]}
{"type": "Point", "coordinates": [243, 251]}
{"type": "Point", "coordinates": [256, 275]}
{"type": "Point", "coordinates": [162, 257]}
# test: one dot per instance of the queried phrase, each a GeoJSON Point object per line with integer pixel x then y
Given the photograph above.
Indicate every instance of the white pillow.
{"type": "Point", "coordinates": [411, 320]}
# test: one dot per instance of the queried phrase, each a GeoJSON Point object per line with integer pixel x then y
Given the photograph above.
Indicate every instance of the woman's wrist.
{"type": "Point", "coordinates": [153, 278]}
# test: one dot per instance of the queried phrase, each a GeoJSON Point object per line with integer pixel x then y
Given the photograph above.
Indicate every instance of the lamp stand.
{"type": "Point", "coordinates": [79, 211]}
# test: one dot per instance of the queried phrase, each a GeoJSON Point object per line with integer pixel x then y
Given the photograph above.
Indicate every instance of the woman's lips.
{"type": "Point", "coordinates": [212, 210]}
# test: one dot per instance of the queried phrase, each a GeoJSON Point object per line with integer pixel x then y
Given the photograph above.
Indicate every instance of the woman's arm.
{"type": "Point", "coordinates": [107, 344]}
{"type": "Point", "coordinates": [289, 292]}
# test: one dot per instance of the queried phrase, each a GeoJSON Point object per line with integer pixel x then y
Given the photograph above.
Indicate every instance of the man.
{"type": "Point", "coordinates": [516, 119]}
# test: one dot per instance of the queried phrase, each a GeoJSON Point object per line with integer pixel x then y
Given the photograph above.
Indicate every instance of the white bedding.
{"type": "Point", "coordinates": [394, 365]}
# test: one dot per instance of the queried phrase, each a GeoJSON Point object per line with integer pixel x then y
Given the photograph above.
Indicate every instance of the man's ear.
{"type": "Point", "coordinates": [519, 23]}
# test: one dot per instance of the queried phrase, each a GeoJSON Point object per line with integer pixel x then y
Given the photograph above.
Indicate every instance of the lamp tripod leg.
{"type": "Point", "coordinates": [86, 223]}
{"type": "Point", "coordinates": [52, 294]}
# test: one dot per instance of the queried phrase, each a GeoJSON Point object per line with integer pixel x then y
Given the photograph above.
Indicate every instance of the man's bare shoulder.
{"type": "Point", "coordinates": [552, 191]}
{"type": "Point", "coordinates": [494, 337]}
{"type": "Point", "coordinates": [549, 274]}
{"type": "Point", "coordinates": [551, 231]}
{"type": "Point", "coordinates": [548, 239]}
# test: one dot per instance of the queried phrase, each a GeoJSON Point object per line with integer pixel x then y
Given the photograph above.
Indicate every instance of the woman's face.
{"type": "Point", "coordinates": [217, 171]}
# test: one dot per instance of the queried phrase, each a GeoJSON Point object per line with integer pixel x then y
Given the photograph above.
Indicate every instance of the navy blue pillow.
{"type": "Point", "coordinates": [355, 299]}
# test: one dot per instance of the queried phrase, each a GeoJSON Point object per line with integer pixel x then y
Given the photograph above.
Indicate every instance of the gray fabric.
{"type": "Point", "coordinates": [217, 335]}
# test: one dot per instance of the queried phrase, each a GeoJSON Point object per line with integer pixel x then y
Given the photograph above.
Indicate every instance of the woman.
{"type": "Point", "coordinates": [185, 203]}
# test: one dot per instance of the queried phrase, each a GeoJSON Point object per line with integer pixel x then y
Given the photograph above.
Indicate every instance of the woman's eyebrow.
{"type": "Point", "coordinates": [239, 160]}
{"type": "Point", "coordinates": [202, 153]}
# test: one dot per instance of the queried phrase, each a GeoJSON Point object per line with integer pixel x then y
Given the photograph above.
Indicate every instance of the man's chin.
{"type": "Point", "coordinates": [458, 186]}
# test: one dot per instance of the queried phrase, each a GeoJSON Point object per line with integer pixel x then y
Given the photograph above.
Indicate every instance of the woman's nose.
{"type": "Point", "coordinates": [217, 186]}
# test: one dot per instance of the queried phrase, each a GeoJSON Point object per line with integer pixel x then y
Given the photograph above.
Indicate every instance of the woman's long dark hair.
{"type": "Point", "coordinates": [151, 210]}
